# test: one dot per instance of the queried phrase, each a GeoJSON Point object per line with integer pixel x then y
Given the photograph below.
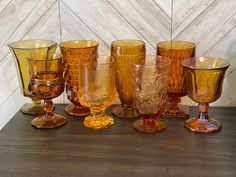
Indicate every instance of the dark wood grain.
{"type": "Point", "coordinates": [119, 151]}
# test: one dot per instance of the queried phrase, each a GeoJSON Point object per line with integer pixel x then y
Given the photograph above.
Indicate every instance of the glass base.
{"type": "Point", "coordinates": [154, 128]}
{"type": "Point", "coordinates": [80, 111]}
{"type": "Point", "coordinates": [32, 109]}
{"type": "Point", "coordinates": [210, 126]}
{"type": "Point", "coordinates": [175, 112]}
{"type": "Point", "coordinates": [98, 122]}
{"type": "Point", "coordinates": [120, 112]}
{"type": "Point", "coordinates": [56, 121]}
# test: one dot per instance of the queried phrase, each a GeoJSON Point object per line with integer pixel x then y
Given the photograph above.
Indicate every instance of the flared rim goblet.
{"type": "Point", "coordinates": [150, 93]}
{"type": "Point", "coordinates": [205, 77]}
{"type": "Point", "coordinates": [46, 82]}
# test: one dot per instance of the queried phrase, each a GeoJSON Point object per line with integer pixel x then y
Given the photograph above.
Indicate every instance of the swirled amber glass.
{"type": "Point", "coordinates": [205, 77]}
{"type": "Point", "coordinates": [176, 51]}
{"type": "Point", "coordinates": [36, 50]}
{"type": "Point", "coordinates": [150, 93]}
{"type": "Point", "coordinates": [74, 53]}
{"type": "Point", "coordinates": [46, 82]}
{"type": "Point", "coordinates": [126, 52]}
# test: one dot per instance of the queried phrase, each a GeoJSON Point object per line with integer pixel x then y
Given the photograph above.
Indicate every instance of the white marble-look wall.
{"type": "Point", "coordinates": [211, 24]}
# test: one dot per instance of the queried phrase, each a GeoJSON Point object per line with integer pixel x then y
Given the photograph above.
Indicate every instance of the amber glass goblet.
{"type": "Point", "coordinates": [176, 51]}
{"type": "Point", "coordinates": [126, 52]}
{"type": "Point", "coordinates": [46, 82]}
{"type": "Point", "coordinates": [34, 49]}
{"type": "Point", "coordinates": [150, 93]}
{"type": "Point", "coordinates": [75, 52]}
{"type": "Point", "coordinates": [205, 77]}
{"type": "Point", "coordinates": [97, 91]}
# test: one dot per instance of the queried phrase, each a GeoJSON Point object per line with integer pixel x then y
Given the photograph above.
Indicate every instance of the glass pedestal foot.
{"type": "Point", "coordinates": [175, 112]}
{"type": "Point", "coordinates": [208, 126]}
{"type": "Point", "coordinates": [55, 121]}
{"type": "Point", "coordinates": [71, 109]}
{"type": "Point", "coordinates": [156, 126]}
{"type": "Point", "coordinates": [120, 112]}
{"type": "Point", "coordinates": [98, 122]}
{"type": "Point", "coordinates": [32, 109]}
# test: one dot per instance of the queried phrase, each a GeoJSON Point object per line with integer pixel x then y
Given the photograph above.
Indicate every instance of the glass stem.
{"type": "Point", "coordinates": [48, 108]}
{"type": "Point", "coordinates": [97, 113]}
{"type": "Point", "coordinates": [174, 102]}
{"type": "Point", "coordinates": [149, 120]}
{"type": "Point", "coordinates": [203, 112]}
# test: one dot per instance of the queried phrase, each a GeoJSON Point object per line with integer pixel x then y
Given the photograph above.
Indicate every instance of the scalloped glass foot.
{"type": "Point", "coordinates": [175, 112]}
{"type": "Point", "coordinates": [120, 112]}
{"type": "Point", "coordinates": [32, 109]}
{"type": "Point", "coordinates": [77, 111]}
{"type": "Point", "coordinates": [210, 125]}
{"type": "Point", "coordinates": [155, 127]}
{"type": "Point", "coordinates": [55, 121]}
{"type": "Point", "coordinates": [98, 121]}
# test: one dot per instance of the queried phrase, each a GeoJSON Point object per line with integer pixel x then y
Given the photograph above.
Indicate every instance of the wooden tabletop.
{"type": "Point", "coordinates": [119, 151]}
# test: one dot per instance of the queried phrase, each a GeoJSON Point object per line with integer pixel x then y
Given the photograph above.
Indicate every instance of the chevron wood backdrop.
{"type": "Point", "coordinates": [211, 24]}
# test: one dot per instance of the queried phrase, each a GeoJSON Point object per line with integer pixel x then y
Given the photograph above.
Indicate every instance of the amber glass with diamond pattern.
{"type": "Point", "coordinates": [176, 51]}
{"type": "Point", "coordinates": [205, 77]}
{"type": "Point", "coordinates": [150, 93]}
{"type": "Point", "coordinates": [126, 52]}
{"type": "Point", "coordinates": [36, 50]}
{"type": "Point", "coordinates": [76, 52]}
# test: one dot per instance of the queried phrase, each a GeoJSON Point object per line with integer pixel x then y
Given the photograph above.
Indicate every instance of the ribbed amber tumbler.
{"type": "Point", "coordinates": [46, 82]}
{"type": "Point", "coordinates": [74, 53]}
{"type": "Point", "coordinates": [205, 77]}
{"type": "Point", "coordinates": [34, 49]}
{"type": "Point", "coordinates": [97, 91]}
{"type": "Point", "coordinates": [126, 52]}
{"type": "Point", "coordinates": [150, 93]}
{"type": "Point", "coordinates": [176, 51]}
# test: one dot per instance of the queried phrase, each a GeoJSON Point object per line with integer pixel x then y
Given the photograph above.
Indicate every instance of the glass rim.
{"type": "Point", "coordinates": [166, 63]}
{"type": "Point", "coordinates": [226, 65]}
{"type": "Point", "coordinates": [141, 43]}
{"type": "Point", "coordinates": [96, 44]}
{"type": "Point", "coordinates": [58, 57]}
{"type": "Point", "coordinates": [112, 60]}
{"type": "Point", "coordinates": [176, 41]}
{"type": "Point", "coordinates": [53, 43]}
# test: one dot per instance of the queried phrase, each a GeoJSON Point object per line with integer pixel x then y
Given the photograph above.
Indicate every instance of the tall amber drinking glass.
{"type": "Point", "coordinates": [97, 91]}
{"type": "Point", "coordinates": [34, 49]}
{"type": "Point", "coordinates": [126, 52]}
{"type": "Point", "coordinates": [46, 82]}
{"type": "Point", "coordinates": [75, 52]}
{"type": "Point", "coordinates": [176, 51]}
{"type": "Point", "coordinates": [150, 93]}
{"type": "Point", "coordinates": [205, 77]}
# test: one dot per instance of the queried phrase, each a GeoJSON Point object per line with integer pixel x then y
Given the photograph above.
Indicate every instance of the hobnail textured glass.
{"type": "Point", "coordinates": [176, 51]}
{"type": "Point", "coordinates": [46, 82]}
{"type": "Point", "coordinates": [74, 53]}
{"type": "Point", "coordinates": [34, 49]}
{"type": "Point", "coordinates": [126, 52]}
{"type": "Point", "coordinates": [205, 77]}
{"type": "Point", "coordinates": [97, 91]}
{"type": "Point", "coordinates": [150, 93]}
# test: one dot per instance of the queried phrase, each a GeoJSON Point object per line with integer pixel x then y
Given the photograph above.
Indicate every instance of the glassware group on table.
{"type": "Point", "coordinates": [149, 87]}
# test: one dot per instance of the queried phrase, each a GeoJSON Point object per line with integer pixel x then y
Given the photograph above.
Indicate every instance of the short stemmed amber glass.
{"type": "Point", "coordinates": [34, 49]}
{"type": "Point", "coordinates": [75, 52]}
{"type": "Point", "coordinates": [150, 93]}
{"type": "Point", "coordinates": [46, 82]}
{"type": "Point", "coordinates": [97, 91]}
{"type": "Point", "coordinates": [205, 77]}
{"type": "Point", "coordinates": [126, 52]}
{"type": "Point", "coordinates": [176, 51]}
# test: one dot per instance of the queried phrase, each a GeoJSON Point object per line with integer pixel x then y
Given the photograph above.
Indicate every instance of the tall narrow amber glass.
{"type": "Point", "coordinates": [34, 49]}
{"type": "Point", "coordinates": [176, 51]}
{"type": "Point", "coordinates": [97, 91]}
{"type": "Point", "coordinates": [75, 52]}
{"type": "Point", "coordinates": [46, 82]}
{"type": "Point", "coordinates": [205, 77]}
{"type": "Point", "coordinates": [126, 52]}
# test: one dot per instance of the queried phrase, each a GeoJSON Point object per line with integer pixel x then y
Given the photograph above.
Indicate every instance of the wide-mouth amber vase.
{"type": "Point", "coordinates": [176, 51]}
{"type": "Point", "coordinates": [74, 53]}
{"type": "Point", "coordinates": [205, 77]}
{"type": "Point", "coordinates": [21, 51]}
{"type": "Point", "coordinates": [126, 52]}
